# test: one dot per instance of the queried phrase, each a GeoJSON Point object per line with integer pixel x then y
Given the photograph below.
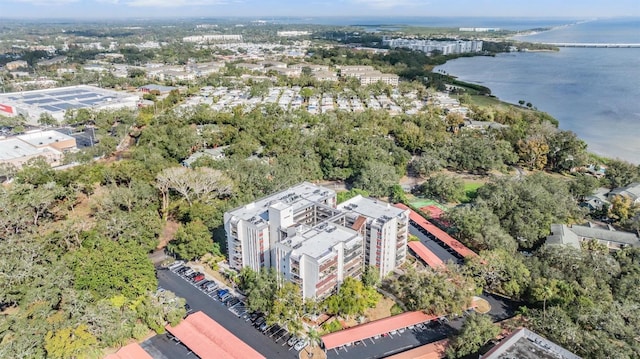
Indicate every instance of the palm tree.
{"type": "Point", "coordinates": [314, 340]}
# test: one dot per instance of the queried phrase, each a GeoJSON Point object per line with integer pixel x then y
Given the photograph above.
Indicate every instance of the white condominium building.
{"type": "Point", "coordinates": [384, 228]}
{"type": "Point", "coordinates": [253, 229]}
{"type": "Point", "coordinates": [428, 46]}
{"type": "Point", "coordinates": [319, 258]}
{"type": "Point", "coordinates": [301, 233]}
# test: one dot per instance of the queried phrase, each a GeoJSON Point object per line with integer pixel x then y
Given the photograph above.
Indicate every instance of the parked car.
{"type": "Point", "coordinates": [222, 292]}
{"type": "Point", "coordinates": [203, 284]}
{"type": "Point", "coordinates": [263, 326]}
{"type": "Point", "coordinates": [259, 322]}
{"type": "Point", "coordinates": [300, 344]}
{"type": "Point", "coordinates": [188, 272]}
{"type": "Point", "coordinates": [198, 277]}
{"type": "Point", "coordinates": [231, 302]}
{"type": "Point", "coordinates": [253, 316]}
{"type": "Point", "coordinates": [292, 341]}
{"type": "Point", "coordinates": [175, 265]}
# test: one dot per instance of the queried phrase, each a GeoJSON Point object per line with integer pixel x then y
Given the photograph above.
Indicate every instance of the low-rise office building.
{"type": "Point", "coordinates": [48, 145]}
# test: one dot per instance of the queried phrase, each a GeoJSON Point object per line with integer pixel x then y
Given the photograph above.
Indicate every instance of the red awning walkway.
{"type": "Point", "coordinates": [372, 329]}
{"type": "Point", "coordinates": [434, 350]}
{"type": "Point", "coordinates": [210, 340]}
{"type": "Point", "coordinates": [440, 235]}
{"type": "Point", "coordinates": [131, 351]}
{"type": "Point", "coordinates": [425, 254]}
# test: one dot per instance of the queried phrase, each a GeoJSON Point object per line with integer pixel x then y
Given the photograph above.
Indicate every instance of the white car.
{"type": "Point", "coordinates": [300, 344]}
{"type": "Point", "coordinates": [292, 341]}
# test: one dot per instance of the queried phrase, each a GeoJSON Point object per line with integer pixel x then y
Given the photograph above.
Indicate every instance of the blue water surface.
{"type": "Point", "coordinates": [594, 92]}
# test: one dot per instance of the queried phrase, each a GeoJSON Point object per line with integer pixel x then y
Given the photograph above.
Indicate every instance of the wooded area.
{"type": "Point", "coordinates": [73, 244]}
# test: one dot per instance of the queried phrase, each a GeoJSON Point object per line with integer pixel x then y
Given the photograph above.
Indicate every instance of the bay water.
{"type": "Point", "coordinates": [594, 92]}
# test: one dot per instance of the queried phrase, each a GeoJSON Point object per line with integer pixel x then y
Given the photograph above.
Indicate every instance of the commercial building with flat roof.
{"type": "Point", "coordinates": [56, 101]}
{"type": "Point", "coordinates": [525, 344]}
{"type": "Point", "coordinates": [303, 235]}
{"type": "Point", "coordinates": [49, 145]}
{"type": "Point", "coordinates": [55, 139]}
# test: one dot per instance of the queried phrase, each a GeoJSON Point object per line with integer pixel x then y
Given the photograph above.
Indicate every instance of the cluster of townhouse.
{"type": "Point", "coordinates": [214, 38]}
{"type": "Point", "coordinates": [289, 99]}
{"type": "Point", "coordinates": [314, 242]}
{"type": "Point", "coordinates": [293, 33]}
{"type": "Point", "coordinates": [606, 234]}
{"type": "Point", "coordinates": [429, 46]}
{"type": "Point", "coordinates": [366, 75]}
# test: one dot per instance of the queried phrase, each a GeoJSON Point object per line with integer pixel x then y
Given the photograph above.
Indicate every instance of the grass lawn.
{"type": "Point", "coordinates": [486, 101]}
{"type": "Point", "coordinates": [470, 190]}
{"type": "Point", "coordinates": [381, 310]}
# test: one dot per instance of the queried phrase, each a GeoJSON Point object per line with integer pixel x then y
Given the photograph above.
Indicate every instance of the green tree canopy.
{"type": "Point", "coordinates": [476, 331]}
{"type": "Point", "coordinates": [108, 268]}
{"type": "Point", "coordinates": [193, 241]}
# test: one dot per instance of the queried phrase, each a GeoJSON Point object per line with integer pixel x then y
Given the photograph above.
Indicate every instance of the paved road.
{"type": "Point", "coordinates": [434, 247]}
{"type": "Point", "coordinates": [161, 347]}
{"type": "Point", "coordinates": [220, 313]}
{"type": "Point", "coordinates": [501, 308]}
{"type": "Point", "coordinates": [392, 344]}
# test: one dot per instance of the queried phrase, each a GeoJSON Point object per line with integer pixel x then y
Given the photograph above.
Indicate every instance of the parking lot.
{"type": "Point", "coordinates": [433, 246]}
{"type": "Point", "coordinates": [394, 342]}
{"type": "Point", "coordinates": [226, 309]}
{"type": "Point", "coordinates": [275, 342]}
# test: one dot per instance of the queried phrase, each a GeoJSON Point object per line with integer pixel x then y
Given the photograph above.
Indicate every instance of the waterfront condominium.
{"type": "Point", "coordinates": [303, 235]}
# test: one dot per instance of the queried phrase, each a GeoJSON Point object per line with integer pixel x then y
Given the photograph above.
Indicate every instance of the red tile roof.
{"type": "Point", "coordinates": [428, 351]}
{"type": "Point", "coordinates": [210, 340]}
{"type": "Point", "coordinates": [425, 254]}
{"type": "Point", "coordinates": [131, 351]}
{"type": "Point", "coordinates": [441, 235]}
{"type": "Point", "coordinates": [371, 329]}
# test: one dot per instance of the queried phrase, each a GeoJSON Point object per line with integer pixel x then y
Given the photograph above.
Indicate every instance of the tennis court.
{"type": "Point", "coordinates": [433, 211]}
{"type": "Point", "coordinates": [425, 202]}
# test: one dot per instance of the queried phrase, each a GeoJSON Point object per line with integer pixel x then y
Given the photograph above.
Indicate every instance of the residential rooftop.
{"type": "Point", "coordinates": [298, 196]}
{"type": "Point", "coordinates": [572, 235]}
{"type": "Point", "coordinates": [371, 208]}
{"type": "Point", "coordinates": [318, 241]}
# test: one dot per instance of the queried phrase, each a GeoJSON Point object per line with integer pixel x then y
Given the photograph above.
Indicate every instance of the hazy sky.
{"type": "Point", "coordinates": [315, 8]}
